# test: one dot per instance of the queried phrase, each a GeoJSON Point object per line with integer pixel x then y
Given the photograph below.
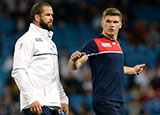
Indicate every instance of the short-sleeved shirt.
{"type": "Point", "coordinates": [106, 60]}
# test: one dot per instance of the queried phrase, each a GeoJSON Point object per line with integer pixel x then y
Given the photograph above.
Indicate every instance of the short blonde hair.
{"type": "Point", "coordinates": [111, 12]}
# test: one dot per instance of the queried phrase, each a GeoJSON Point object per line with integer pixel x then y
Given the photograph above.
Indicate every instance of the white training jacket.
{"type": "Point", "coordinates": [35, 69]}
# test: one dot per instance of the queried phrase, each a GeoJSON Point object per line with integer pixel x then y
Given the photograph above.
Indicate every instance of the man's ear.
{"type": "Point", "coordinates": [37, 18]}
{"type": "Point", "coordinates": [102, 24]}
{"type": "Point", "coordinates": [120, 25]}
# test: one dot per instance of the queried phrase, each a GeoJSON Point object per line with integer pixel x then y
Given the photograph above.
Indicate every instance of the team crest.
{"type": "Point", "coordinates": [114, 43]}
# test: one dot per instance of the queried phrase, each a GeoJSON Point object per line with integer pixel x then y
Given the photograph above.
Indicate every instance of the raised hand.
{"type": "Point", "coordinates": [76, 55]}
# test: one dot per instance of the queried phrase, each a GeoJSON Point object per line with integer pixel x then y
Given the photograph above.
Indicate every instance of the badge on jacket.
{"type": "Point", "coordinates": [21, 45]}
{"type": "Point", "coordinates": [38, 39]}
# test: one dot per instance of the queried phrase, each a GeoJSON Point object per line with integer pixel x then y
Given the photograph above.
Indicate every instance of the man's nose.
{"type": "Point", "coordinates": [51, 18]}
{"type": "Point", "coordinates": [112, 24]}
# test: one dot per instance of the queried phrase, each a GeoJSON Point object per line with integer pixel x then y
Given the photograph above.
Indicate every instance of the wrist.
{"type": "Point", "coordinates": [72, 62]}
{"type": "Point", "coordinates": [134, 71]}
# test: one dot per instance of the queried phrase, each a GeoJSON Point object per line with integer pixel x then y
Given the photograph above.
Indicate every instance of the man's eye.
{"type": "Point", "coordinates": [108, 21]}
{"type": "Point", "coordinates": [115, 22]}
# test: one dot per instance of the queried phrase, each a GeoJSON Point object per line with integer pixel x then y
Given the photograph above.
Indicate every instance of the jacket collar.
{"type": "Point", "coordinates": [40, 31]}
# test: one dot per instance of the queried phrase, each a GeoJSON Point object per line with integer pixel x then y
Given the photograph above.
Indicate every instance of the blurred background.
{"type": "Point", "coordinates": [76, 22]}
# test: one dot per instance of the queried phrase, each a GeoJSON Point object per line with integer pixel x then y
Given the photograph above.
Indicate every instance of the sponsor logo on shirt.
{"type": "Point", "coordinates": [38, 39]}
{"type": "Point", "coordinates": [106, 45]}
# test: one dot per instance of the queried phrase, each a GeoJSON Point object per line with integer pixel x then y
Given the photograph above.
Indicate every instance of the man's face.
{"type": "Point", "coordinates": [111, 25]}
{"type": "Point", "coordinates": [46, 18]}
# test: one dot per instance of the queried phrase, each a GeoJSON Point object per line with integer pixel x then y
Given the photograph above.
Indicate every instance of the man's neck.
{"type": "Point", "coordinates": [37, 24]}
{"type": "Point", "coordinates": [112, 37]}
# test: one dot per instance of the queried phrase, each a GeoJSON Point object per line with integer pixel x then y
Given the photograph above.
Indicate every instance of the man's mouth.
{"type": "Point", "coordinates": [111, 30]}
{"type": "Point", "coordinates": [49, 22]}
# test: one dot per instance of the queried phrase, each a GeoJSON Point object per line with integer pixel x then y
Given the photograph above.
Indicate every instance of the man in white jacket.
{"type": "Point", "coordinates": [35, 66]}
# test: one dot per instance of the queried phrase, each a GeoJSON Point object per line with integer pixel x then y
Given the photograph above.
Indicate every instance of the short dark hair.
{"type": "Point", "coordinates": [111, 12]}
{"type": "Point", "coordinates": [37, 8]}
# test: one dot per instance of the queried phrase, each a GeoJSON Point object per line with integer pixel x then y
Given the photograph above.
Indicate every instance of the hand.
{"type": "Point", "coordinates": [138, 69]}
{"type": "Point", "coordinates": [36, 107]}
{"type": "Point", "coordinates": [76, 55]}
{"type": "Point", "coordinates": [65, 108]}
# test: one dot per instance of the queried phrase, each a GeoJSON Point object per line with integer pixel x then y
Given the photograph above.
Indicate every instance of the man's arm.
{"type": "Point", "coordinates": [22, 59]}
{"type": "Point", "coordinates": [77, 59]}
{"type": "Point", "coordinates": [133, 70]}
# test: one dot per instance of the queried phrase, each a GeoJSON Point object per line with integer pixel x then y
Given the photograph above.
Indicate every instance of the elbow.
{"type": "Point", "coordinates": [16, 72]}
{"type": "Point", "coordinates": [13, 73]}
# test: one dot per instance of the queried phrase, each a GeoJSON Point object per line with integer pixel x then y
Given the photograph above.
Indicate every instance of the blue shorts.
{"type": "Point", "coordinates": [109, 108]}
{"type": "Point", "coordinates": [45, 111]}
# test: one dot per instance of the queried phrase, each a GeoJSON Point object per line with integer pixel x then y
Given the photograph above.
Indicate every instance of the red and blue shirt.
{"type": "Point", "coordinates": [106, 60]}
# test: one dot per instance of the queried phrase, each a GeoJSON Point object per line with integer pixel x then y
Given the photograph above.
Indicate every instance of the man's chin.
{"type": "Point", "coordinates": [111, 34]}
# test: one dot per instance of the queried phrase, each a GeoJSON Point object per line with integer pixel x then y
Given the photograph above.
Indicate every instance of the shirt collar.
{"type": "Point", "coordinates": [41, 31]}
{"type": "Point", "coordinates": [103, 36]}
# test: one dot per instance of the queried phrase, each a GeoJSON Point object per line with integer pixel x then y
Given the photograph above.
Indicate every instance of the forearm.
{"type": "Point", "coordinates": [75, 65]}
{"type": "Point", "coordinates": [129, 70]}
{"type": "Point", "coordinates": [136, 70]}
{"type": "Point", "coordinates": [77, 59]}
